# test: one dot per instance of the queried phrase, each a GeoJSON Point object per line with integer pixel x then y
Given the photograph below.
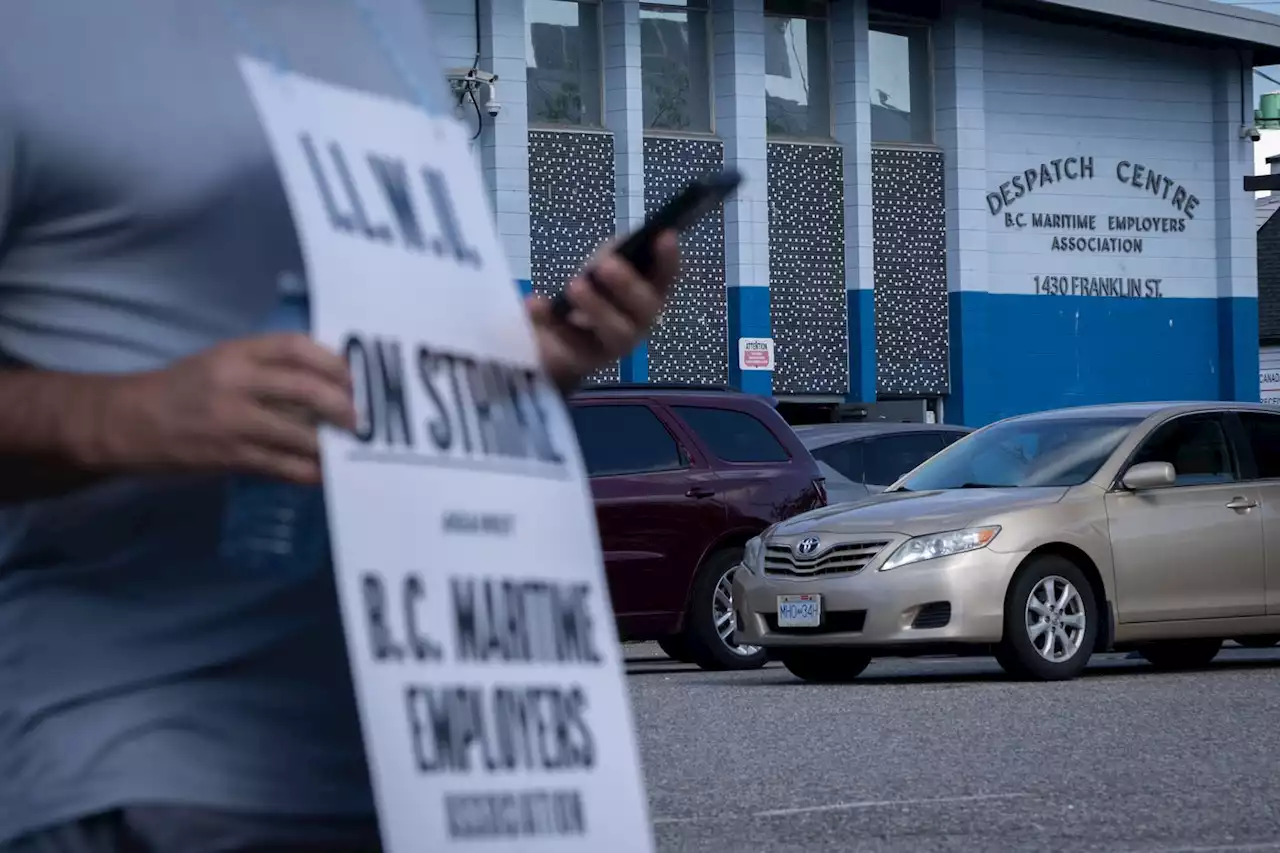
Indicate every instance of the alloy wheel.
{"type": "Point", "coordinates": [722, 612]}
{"type": "Point", "coordinates": [1055, 619]}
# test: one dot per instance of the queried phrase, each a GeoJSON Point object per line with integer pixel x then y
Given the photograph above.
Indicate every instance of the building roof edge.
{"type": "Point", "coordinates": [1246, 28]}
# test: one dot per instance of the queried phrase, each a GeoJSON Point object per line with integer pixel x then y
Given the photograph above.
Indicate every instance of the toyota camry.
{"type": "Point", "coordinates": [1041, 539]}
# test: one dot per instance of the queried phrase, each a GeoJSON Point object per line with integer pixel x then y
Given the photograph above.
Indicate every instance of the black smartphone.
{"type": "Point", "coordinates": [682, 210]}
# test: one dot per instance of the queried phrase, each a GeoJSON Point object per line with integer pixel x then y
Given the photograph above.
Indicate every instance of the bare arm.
{"type": "Point", "coordinates": [50, 431]}
{"type": "Point", "coordinates": [247, 405]}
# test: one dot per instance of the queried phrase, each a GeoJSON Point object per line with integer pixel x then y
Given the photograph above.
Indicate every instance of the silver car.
{"type": "Point", "coordinates": [1041, 539]}
{"type": "Point", "coordinates": [862, 458]}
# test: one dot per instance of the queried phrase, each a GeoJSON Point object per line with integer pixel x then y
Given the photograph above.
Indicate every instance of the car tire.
{"type": "Point", "coordinates": [676, 647]}
{"type": "Point", "coordinates": [707, 648]}
{"type": "Point", "coordinates": [1181, 655]}
{"type": "Point", "coordinates": [825, 666]}
{"type": "Point", "coordinates": [1041, 641]}
{"type": "Point", "coordinates": [1261, 641]}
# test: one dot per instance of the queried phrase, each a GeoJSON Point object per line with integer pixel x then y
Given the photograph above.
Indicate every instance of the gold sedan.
{"type": "Point", "coordinates": [1041, 539]}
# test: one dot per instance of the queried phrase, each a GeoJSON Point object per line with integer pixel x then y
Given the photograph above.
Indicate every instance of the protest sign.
{"type": "Point", "coordinates": [482, 644]}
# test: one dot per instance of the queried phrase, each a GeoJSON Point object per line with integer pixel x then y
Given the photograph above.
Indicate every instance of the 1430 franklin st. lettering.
{"type": "Point", "coordinates": [1086, 285]}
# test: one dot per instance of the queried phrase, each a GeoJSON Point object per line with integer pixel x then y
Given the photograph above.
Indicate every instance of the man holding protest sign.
{"type": "Point", "coordinates": [156, 185]}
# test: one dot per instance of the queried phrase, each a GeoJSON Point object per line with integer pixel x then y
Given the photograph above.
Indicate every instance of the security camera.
{"type": "Point", "coordinates": [1250, 132]}
{"type": "Point", "coordinates": [466, 82]}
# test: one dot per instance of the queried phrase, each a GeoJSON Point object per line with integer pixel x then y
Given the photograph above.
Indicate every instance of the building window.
{"type": "Point", "coordinates": [797, 62]}
{"type": "Point", "coordinates": [675, 65]}
{"type": "Point", "coordinates": [901, 84]}
{"type": "Point", "coordinates": [562, 54]}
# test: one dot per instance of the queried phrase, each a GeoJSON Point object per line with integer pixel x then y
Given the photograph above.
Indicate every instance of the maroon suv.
{"type": "Point", "coordinates": [682, 478]}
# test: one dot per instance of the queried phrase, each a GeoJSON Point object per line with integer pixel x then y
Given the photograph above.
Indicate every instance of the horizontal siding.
{"type": "Point", "coordinates": [1053, 91]}
{"type": "Point", "coordinates": [1173, 132]}
{"type": "Point", "coordinates": [1021, 140]}
{"type": "Point", "coordinates": [1093, 46]}
{"type": "Point", "coordinates": [454, 31]}
{"type": "Point", "coordinates": [1068, 62]}
{"type": "Point", "coordinates": [1129, 110]}
{"type": "Point", "coordinates": [1039, 81]}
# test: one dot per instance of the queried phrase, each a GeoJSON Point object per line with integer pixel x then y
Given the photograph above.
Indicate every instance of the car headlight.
{"type": "Point", "coordinates": [934, 545]}
{"type": "Point", "coordinates": [753, 555]}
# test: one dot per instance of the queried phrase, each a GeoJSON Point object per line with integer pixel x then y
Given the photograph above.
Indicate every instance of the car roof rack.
{"type": "Point", "coordinates": [657, 386]}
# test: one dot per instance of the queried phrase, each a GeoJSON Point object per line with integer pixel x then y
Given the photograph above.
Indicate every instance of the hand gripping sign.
{"type": "Point", "coordinates": [483, 648]}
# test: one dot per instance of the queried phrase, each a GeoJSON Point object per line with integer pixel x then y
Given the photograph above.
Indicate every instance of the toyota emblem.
{"type": "Point", "coordinates": [807, 546]}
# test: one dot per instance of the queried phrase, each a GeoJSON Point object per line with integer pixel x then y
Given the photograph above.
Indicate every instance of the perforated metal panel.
{"type": "Point", "coordinates": [690, 344]}
{"type": "Point", "coordinates": [911, 308]}
{"type": "Point", "coordinates": [571, 208]}
{"type": "Point", "coordinates": [806, 269]}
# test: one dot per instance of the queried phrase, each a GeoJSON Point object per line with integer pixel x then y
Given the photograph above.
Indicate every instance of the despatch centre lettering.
{"type": "Point", "coordinates": [1051, 172]}
{"type": "Point", "coordinates": [1095, 234]}
{"type": "Point", "coordinates": [1136, 175]}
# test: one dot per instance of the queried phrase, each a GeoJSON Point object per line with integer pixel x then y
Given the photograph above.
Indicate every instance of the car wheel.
{"type": "Point", "coordinates": [825, 666]}
{"type": "Point", "coordinates": [1050, 621]}
{"type": "Point", "coordinates": [710, 621]}
{"type": "Point", "coordinates": [676, 647]}
{"type": "Point", "coordinates": [1174, 655]}
{"type": "Point", "coordinates": [1261, 641]}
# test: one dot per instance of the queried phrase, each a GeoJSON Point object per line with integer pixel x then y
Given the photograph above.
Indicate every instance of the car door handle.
{"type": "Point", "coordinates": [1241, 503]}
{"type": "Point", "coordinates": [699, 492]}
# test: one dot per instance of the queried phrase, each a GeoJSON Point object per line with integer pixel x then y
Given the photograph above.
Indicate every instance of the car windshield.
{"type": "Point", "coordinates": [1023, 454]}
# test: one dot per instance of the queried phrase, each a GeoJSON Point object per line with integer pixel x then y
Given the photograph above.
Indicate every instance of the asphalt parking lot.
{"type": "Point", "coordinates": [949, 755]}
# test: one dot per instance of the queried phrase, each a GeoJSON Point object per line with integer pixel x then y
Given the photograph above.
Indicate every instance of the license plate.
{"type": "Point", "coordinates": [799, 611]}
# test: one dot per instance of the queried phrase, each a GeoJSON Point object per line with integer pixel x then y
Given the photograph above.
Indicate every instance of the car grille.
{"type": "Point", "coordinates": [843, 559]}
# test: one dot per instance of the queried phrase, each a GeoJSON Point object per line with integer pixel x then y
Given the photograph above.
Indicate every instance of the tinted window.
{"type": "Point", "coordinates": [1026, 453]}
{"type": "Point", "coordinates": [845, 457]}
{"type": "Point", "coordinates": [624, 440]}
{"type": "Point", "coordinates": [1195, 446]}
{"type": "Point", "coordinates": [675, 66]}
{"type": "Point", "coordinates": [797, 68]}
{"type": "Point", "coordinates": [950, 438]}
{"type": "Point", "coordinates": [900, 60]}
{"type": "Point", "coordinates": [890, 457]}
{"type": "Point", "coordinates": [1264, 438]}
{"type": "Point", "coordinates": [562, 62]}
{"type": "Point", "coordinates": [732, 435]}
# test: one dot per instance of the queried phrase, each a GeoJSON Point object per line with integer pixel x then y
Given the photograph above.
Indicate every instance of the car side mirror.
{"type": "Point", "coordinates": [1149, 475]}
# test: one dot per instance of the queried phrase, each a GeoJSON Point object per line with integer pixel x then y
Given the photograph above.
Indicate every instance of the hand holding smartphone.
{"type": "Point", "coordinates": [682, 211]}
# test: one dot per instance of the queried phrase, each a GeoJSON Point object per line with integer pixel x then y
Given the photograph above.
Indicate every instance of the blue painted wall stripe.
{"type": "Point", "coordinates": [1238, 349]}
{"type": "Point", "coordinates": [635, 367]}
{"type": "Point", "coordinates": [748, 317]}
{"type": "Point", "coordinates": [861, 309]}
{"type": "Point", "coordinates": [1014, 354]}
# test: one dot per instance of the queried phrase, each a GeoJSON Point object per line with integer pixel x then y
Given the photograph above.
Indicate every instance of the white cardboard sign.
{"type": "Point", "coordinates": [483, 648]}
{"type": "Point", "coordinates": [755, 353]}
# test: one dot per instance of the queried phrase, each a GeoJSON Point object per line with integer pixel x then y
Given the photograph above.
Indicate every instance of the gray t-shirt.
{"type": "Point", "coordinates": [141, 219]}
